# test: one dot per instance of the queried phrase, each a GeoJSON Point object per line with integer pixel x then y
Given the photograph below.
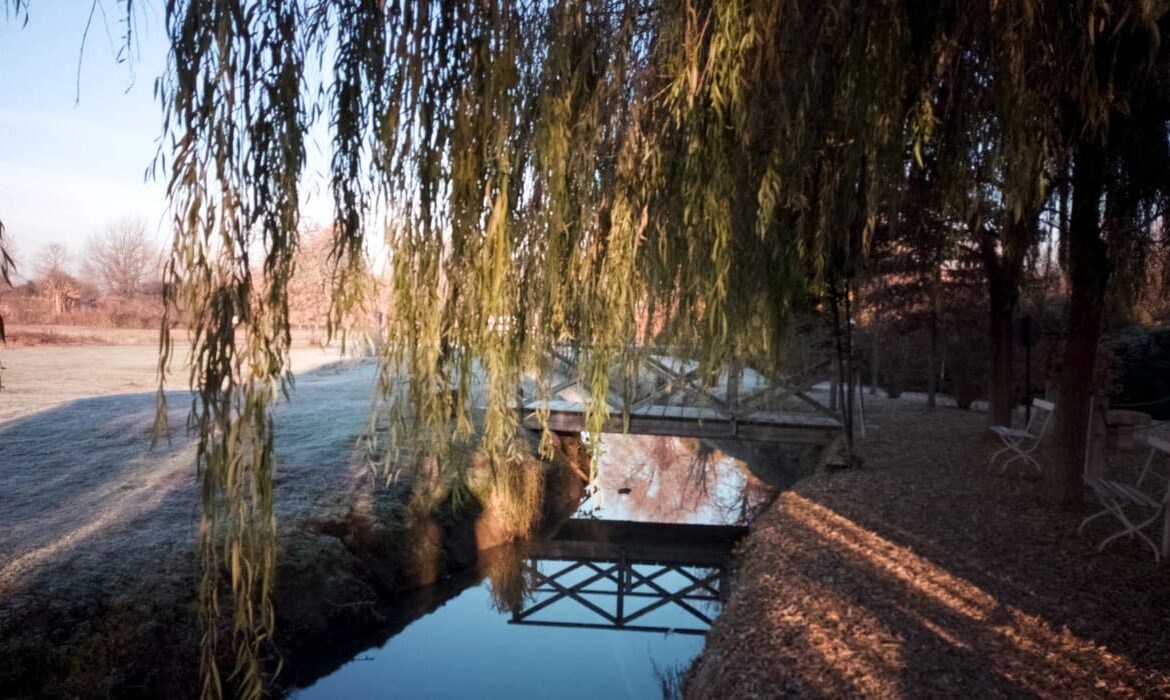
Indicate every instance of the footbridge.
{"type": "Point", "coordinates": [658, 394]}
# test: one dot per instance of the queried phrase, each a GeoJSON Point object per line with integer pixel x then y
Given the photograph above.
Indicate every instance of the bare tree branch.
{"type": "Point", "coordinates": [122, 258]}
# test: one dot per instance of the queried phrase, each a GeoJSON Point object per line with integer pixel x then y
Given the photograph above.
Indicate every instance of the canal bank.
{"type": "Point", "coordinates": [618, 599]}
{"type": "Point", "coordinates": [98, 582]}
{"type": "Point", "coordinates": [382, 566]}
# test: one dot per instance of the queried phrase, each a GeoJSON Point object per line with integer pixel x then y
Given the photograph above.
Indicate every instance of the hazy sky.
{"type": "Point", "coordinates": [75, 146]}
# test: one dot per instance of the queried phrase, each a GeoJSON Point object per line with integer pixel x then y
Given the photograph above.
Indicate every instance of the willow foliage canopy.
{"type": "Point", "coordinates": [551, 171]}
{"type": "Point", "coordinates": [541, 172]}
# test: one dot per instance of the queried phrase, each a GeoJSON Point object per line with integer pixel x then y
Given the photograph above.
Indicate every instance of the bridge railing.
{"type": "Point", "coordinates": [652, 377]}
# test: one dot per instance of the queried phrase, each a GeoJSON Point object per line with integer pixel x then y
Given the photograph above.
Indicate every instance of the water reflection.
{"type": "Point", "coordinates": [601, 610]}
{"type": "Point", "coordinates": [606, 607]}
{"type": "Point", "coordinates": [686, 480]}
{"type": "Point", "coordinates": [641, 577]}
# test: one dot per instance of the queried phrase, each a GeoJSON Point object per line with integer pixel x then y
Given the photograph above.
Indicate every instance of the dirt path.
{"type": "Point", "coordinates": [923, 574]}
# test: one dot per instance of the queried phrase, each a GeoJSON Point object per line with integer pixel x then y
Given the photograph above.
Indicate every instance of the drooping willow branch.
{"type": "Point", "coordinates": [611, 174]}
{"type": "Point", "coordinates": [7, 267]}
{"type": "Point", "coordinates": [235, 114]}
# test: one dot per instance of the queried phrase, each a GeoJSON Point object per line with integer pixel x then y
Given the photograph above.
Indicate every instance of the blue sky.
{"type": "Point", "coordinates": [74, 146]}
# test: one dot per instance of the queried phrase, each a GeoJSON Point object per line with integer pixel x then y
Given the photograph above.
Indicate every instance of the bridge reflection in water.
{"type": "Point", "coordinates": [618, 575]}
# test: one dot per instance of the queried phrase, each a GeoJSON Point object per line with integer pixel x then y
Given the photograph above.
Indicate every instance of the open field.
{"type": "Point", "coordinates": [99, 362]}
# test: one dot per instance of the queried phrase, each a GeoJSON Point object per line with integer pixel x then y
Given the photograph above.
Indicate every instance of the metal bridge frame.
{"type": "Point", "coordinates": [634, 593]}
{"type": "Point", "coordinates": [664, 410]}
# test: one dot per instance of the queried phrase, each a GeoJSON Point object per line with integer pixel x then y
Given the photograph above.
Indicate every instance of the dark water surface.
{"type": "Point", "coordinates": [614, 605]}
{"type": "Point", "coordinates": [468, 649]}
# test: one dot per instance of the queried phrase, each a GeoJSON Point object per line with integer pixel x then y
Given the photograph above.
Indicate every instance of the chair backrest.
{"type": "Point", "coordinates": [1038, 423]}
{"type": "Point", "coordinates": [1158, 447]}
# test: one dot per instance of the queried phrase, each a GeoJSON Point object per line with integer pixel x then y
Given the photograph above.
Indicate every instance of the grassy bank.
{"type": "Point", "coordinates": [98, 583]}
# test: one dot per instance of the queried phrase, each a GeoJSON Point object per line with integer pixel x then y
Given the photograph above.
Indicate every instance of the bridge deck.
{"type": "Point", "coordinates": [692, 421]}
{"type": "Point", "coordinates": [659, 543]}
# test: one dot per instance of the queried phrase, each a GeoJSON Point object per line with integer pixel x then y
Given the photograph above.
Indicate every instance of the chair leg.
{"type": "Point", "coordinates": [1032, 460]}
{"type": "Point", "coordinates": [1020, 454]}
{"type": "Point", "coordinates": [1003, 469]}
{"type": "Point", "coordinates": [1005, 448]}
{"type": "Point", "coordinates": [1131, 529]}
{"type": "Point", "coordinates": [1086, 521]}
{"type": "Point", "coordinates": [1118, 512]}
{"type": "Point", "coordinates": [1139, 534]}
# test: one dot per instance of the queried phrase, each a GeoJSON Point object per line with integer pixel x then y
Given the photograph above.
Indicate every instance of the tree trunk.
{"type": "Point", "coordinates": [933, 363]}
{"type": "Point", "coordinates": [874, 359]}
{"type": "Point", "coordinates": [1088, 275]}
{"type": "Point", "coordinates": [842, 316]}
{"type": "Point", "coordinates": [999, 375]}
{"type": "Point", "coordinates": [1064, 197]}
{"type": "Point", "coordinates": [850, 375]}
{"type": "Point", "coordinates": [1003, 271]}
{"type": "Point", "coordinates": [834, 380]}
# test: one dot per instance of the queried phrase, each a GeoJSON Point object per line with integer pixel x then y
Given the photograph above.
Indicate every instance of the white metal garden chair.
{"type": "Point", "coordinates": [1133, 504]}
{"type": "Point", "coordinates": [1019, 445]}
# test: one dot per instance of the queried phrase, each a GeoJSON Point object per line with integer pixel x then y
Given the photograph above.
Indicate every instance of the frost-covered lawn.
{"type": "Point", "coordinates": [94, 520]}
{"type": "Point", "coordinates": [101, 363]}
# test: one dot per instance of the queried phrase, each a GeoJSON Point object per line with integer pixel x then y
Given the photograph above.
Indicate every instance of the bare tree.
{"type": "Point", "coordinates": [53, 260]}
{"type": "Point", "coordinates": [122, 258]}
{"type": "Point", "coordinates": [53, 270]}
{"type": "Point", "coordinates": [7, 253]}
{"type": "Point", "coordinates": [312, 283]}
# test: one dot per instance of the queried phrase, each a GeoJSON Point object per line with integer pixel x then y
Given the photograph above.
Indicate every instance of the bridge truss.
{"type": "Point", "coordinates": [657, 394]}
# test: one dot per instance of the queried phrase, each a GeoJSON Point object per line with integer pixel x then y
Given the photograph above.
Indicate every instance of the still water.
{"type": "Point", "coordinates": [468, 649]}
{"type": "Point", "coordinates": [614, 605]}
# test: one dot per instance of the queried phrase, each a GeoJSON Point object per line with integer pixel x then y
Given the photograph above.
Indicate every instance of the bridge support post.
{"type": "Point", "coordinates": [734, 369]}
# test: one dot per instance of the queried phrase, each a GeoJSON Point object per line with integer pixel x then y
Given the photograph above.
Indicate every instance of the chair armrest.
{"type": "Point", "coordinates": [1119, 491]}
{"type": "Point", "coordinates": [1005, 431]}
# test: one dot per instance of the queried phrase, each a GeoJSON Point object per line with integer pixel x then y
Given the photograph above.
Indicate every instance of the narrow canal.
{"type": "Point", "coordinates": [613, 605]}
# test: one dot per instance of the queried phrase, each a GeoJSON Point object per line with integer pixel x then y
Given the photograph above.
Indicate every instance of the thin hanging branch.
{"type": "Point", "coordinates": [545, 173]}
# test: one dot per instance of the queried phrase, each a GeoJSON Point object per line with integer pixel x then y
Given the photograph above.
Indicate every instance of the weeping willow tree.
{"type": "Point", "coordinates": [542, 172]}
{"type": "Point", "coordinates": [1101, 69]}
{"type": "Point", "coordinates": [13, 9]}
{"type": "Point", "coordinates": [983, 172]}
{"type": "Point", "coordinates": [1031, 93]}
{"type": "Point", "coordinates": [548, 172]}
{"type": "Point", "coordinates": [7, 267]}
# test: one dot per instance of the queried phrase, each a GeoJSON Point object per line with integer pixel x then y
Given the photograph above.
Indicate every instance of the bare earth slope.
{"type": "Point", "coordinates": [923, 574]}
